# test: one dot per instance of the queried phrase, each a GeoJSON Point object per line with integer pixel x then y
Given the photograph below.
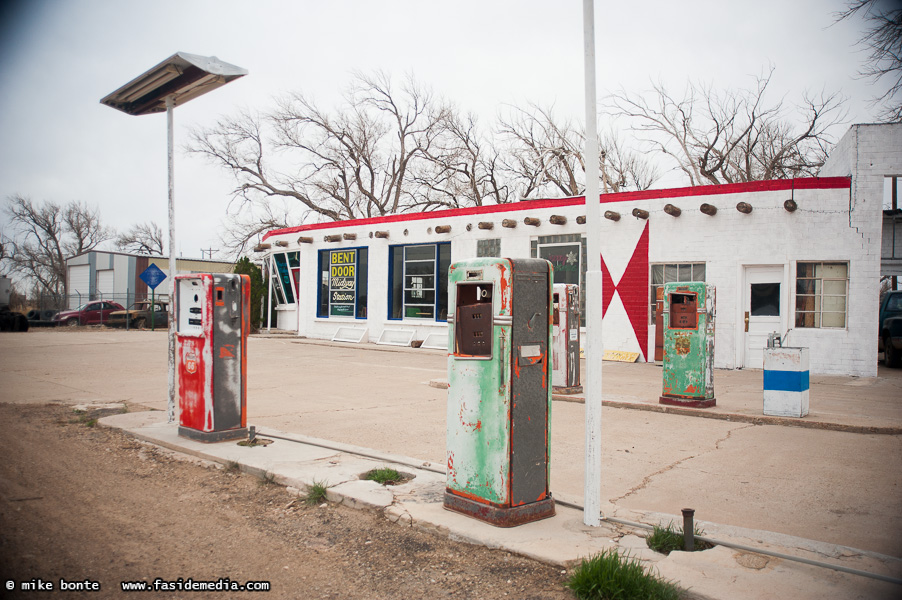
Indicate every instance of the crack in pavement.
{"type": "Point", "coordinates": [647, 479]}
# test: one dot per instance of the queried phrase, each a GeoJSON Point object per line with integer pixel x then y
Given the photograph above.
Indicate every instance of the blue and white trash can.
{"type": "Point", "coordinates": [786, 382]}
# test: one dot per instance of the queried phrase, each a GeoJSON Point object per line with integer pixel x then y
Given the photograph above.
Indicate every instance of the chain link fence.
{"type": "Point", "coordinates": [42, 309]}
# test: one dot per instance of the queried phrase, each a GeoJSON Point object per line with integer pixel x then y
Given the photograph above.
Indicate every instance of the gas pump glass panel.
{"type": "Point", "coordinates": [474, 327]}
{"type": "Point", "coordinates": [683, 310]}
{"type": "Point", "coordinates": [191, 296]}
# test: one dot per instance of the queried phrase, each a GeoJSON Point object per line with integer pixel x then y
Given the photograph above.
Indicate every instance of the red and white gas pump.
{"type": "Point", "coordinates": [212, 313]}
{"type": "Point", "coordinates": [565, 376]}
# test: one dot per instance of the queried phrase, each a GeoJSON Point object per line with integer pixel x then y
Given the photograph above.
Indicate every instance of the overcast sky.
{"type": "Point", "coordinates": [58, 58]}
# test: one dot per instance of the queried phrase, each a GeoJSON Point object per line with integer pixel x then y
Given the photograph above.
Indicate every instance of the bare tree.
{"type": "Point", "coordinates": [244, 228]}
{"type": "Point", "coordinates": [47, 235]}
{"type": "Point", "coordinates": [390, 149]}
{"type": "Point", "coordinates": [462, 167]}
{"type": "Point", "coordinates": [143, 238]}
{"type": "Point", "coordinates": [733, 136]}
{"type": "Point", "coordinates": [545, 156]}
{"type": "Point", "coordinates": [883, 39]}
{"type": "Point", "coordinates": [352, 163]}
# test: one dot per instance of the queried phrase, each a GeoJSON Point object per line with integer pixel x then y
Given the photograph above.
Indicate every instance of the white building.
{"type": "Point", "coordinates": [798, 257]}
{"type": "Point", "coordinates": [116, 276]}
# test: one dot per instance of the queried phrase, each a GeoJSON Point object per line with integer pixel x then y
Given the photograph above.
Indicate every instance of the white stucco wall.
{"type": "Point", "coordinates": [822, 229]}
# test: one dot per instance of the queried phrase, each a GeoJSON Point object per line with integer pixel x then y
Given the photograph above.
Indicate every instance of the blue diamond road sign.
{"type": "Point", "coordinates": [152, 276]}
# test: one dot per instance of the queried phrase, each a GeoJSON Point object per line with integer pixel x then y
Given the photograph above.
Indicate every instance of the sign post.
{"type": "Point", "coordinates": [152, 276]}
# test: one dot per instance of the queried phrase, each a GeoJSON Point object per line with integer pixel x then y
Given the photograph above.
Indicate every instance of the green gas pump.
{"type": "Point", "coordinates": [499, 398]}
{"type": "Point", "coordinates": [688, 345]}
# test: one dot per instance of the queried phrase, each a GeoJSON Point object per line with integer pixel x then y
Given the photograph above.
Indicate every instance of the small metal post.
{"type": "Point", "coordinates": [688, 529]}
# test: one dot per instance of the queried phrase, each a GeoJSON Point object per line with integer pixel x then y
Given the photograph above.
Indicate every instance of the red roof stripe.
{"type": "Point", "coordinates": [809, 183]}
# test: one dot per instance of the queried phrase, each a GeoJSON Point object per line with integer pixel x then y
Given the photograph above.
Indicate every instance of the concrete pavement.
{"type": "Point", "coordinates": [298, 461]}
{"type": "Point", "coordinates": [818, 492]}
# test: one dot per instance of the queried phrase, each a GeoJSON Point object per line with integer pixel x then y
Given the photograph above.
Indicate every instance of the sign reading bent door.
{"type": "Point", "coordinates": [762, 311]}
{"type": "Point", "coordinates": [342, 282]}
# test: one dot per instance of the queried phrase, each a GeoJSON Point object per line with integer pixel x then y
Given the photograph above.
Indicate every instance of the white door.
{"type": "Point", "coordinates": [79, 285]}
{"type": "Point", "coordinates": [105, 284]}
{"type": "Point", "coordinates": [763, 311]}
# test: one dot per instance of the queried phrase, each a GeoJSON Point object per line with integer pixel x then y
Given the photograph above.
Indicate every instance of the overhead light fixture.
{"type": "Point", "coordinates": [181, 77]}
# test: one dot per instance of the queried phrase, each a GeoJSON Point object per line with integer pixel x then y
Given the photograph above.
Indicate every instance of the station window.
{"type": "Point", "coordinates": [285, 267]}
{"type": "Point", "coordinates": [489, 248]}
{"type": "Point", "coordinates": [342, 289]}
{"type": "Point", "coordinates": [419, 281]}
{"type": "Point", "coordinates": [669, 273]}
{"type": "Point", "coordinates": [568, 257]}
{"type": "Point", "coordinates": [821, 291]}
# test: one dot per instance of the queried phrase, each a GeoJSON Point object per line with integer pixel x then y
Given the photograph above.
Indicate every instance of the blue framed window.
{"type": "Point", "coordinates": [342, 285]}
{"type": "Point", "coordinates": [418, 277]}
{"type": "Point", "coordinates": [286, 266]}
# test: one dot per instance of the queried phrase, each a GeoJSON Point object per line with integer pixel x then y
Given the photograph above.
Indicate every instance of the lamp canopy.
{"type": "Point", "coordinates": [182, 76]}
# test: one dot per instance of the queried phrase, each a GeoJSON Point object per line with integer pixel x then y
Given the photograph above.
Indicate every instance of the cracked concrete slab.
{"type": "Point", "coordinates": [560, 540]}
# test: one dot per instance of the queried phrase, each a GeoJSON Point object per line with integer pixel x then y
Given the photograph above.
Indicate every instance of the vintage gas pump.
{"type": "Point", "coordinates": [212, 313]}
{"type": "Point", "coordinates": [499, 399]}
{"type": "Point", "coordinates": [688, 344]}
{"type": "Point", "coordinates": [565, 339]}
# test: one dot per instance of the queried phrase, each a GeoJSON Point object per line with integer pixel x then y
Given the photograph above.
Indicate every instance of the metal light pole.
{"type": "Point", "coordinates": [176, 80]}
{"type": "Point", "coordinates": [594, 344]}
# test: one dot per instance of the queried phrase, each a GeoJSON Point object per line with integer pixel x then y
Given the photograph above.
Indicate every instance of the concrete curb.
{"type": "Point", "coordinates": [741, 418]}
{"type": "Point", "coordinates": [721, 416]}
{"type": "Point", "coordinates": [297, 339]}
{"type": "Point", "coordinates": [296, 461]}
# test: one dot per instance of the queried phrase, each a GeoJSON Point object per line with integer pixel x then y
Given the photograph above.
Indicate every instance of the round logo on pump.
{"type": "Point", "coordinates": [191, 363]}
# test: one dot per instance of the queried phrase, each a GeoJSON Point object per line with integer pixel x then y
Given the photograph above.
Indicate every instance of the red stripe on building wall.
{"type": "Point", "coordinates": [809, 183]}
{"type": "Point", "coordinates": [633, 290]}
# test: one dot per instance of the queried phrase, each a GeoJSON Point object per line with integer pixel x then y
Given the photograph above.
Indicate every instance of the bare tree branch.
{"type": "Point", "coordinates": [733, 136]}
{"type": "Point", "coordinates": [47, 235]}
{"type": "Point", "coordinates": [883, 39]}
{"type": "Point", "coordinates": [545, 156]}
{"type": "Point", "coordinates": [143, 238]}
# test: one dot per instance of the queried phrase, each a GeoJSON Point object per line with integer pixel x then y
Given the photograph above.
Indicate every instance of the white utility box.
{"type": "Point", "coordinates": [786, 382]}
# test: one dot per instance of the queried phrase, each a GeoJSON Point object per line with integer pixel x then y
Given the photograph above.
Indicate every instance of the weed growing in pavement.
{"type": "Point", "coordinates": [667, 539]}
{"type": "Point", "coordinates": [609, 576]}
{"type": "Point", "coordinates": [82, 418]}
{"type": "Point", "coordinates": [384, 476]}
{"type": "Point", "coordinates": [316, 493]}
{"type": "Point", "coordinates": [268, 478]}
{"type": "Point", "coordinates": [231, 466]}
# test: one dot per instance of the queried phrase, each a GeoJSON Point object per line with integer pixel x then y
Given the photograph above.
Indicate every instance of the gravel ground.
{"type": "Point", "coordinates": [82, 505]}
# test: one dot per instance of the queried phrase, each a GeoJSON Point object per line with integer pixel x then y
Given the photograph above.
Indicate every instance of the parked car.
{"type": "Point", "coordinates": [142, 315]}
{"type": "Point", "coordinates": [890, 340]}
{"type": "Point", "coordinates": [89, 313]}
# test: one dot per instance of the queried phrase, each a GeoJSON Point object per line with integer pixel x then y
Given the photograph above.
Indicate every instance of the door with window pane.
{"type": "Point", "coordinates": [763, 311]}
{"type": "Point", "coordinates": [419, 282]}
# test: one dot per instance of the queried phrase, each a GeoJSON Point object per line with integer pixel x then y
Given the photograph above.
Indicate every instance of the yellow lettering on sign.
{"type": "Point", "coordinates": [343, 258]}
{"type": "Point", "coordinates": [342, 270]}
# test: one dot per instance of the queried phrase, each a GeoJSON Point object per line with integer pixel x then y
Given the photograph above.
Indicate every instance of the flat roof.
{"type": "Point", "coordinates": [807, 183]}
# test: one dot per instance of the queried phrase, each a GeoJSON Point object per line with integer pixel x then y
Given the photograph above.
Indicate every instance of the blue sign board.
{"type": "Point", "coordinates": [152, 276]}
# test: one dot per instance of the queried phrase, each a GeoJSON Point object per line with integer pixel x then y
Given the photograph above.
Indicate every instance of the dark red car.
{"type": "Point", "coordinates": [89, 313]}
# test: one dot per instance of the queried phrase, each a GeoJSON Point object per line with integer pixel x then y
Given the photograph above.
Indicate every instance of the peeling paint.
{"type": "Point", "coordinates": [689, 344]}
